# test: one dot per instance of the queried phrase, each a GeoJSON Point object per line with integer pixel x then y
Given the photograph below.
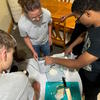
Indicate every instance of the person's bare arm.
{"type": "Point", "coordinates": [29, 44]}
{"type": "Point", "coordinates": [66, 16]}
{"type": "Point", "coordinates": [76, 42]}
{"type": "Point", "coordinates": [83, 60]}
{"type": "Point", "coordinates": [49, 29]}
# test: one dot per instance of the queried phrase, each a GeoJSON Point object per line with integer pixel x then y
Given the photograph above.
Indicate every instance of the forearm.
{"type": "Point", "coordinates": [83, 60]}
{"type": "Point", "coordinates": [77, 41]}
{"type": "Point", "coordinates": [70, 15]}
{"type": "Point", "coordinates": [49, 29]}
{"type": "Point", "coordinates": [28, 43]}
{"type": "Point", "coordinates": [69, 63]}
{"type": "Point", "coordinates": [36, 96]}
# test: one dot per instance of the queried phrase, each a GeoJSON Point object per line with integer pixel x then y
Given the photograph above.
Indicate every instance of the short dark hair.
{"type": "Point", "coordinates": [7, 40]}
{"type": "Point", "coordinates": [29, 5]}
{"type": "Point", "coordinates": [80, 6]}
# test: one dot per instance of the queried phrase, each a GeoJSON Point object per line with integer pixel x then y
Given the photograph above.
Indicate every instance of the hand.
{"type": "Point", "coordinates": [35, 55]}
{"type": "Point", "coordinates": [68, 50]}
{"type": "Point", "coordinates": [63, 18]}
{"type": "Point", "coordinates": [50, 41]}
{"type": "Point", "coordinates": [48, 60]}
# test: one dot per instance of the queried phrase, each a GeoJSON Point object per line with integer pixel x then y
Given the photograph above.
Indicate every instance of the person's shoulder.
{"type": "Point", "coordinates": [13, 76]}
{"type": "Point", "coordinates": [97, 33]}
{"type": "Point", "coordinates": [15, 79]}
{"type": "Point", "coordinates": [13, 85]}
{"type": "Point", "coordinates": [46, 12]}
{"type": "Point", "coordinates": [94, 30]}
{"type": "Point", "coordinates": [94, 34]}
{"type": "Point", "coordinates": [23, 20]}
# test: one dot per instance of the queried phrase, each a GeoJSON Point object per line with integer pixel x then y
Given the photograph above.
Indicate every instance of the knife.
{"type": "Point", "coordinates": [64, 82]}
{"type": "Point", "coordinates": [66, 89]}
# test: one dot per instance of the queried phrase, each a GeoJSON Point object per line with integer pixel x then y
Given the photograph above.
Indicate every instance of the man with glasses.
{"type": "Point", "coordinates": [88, 13]}
{"type": "Point", "coordinates": [35, 26]}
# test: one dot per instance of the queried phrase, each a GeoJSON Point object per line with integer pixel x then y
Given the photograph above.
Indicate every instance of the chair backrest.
{"type": "Point", "coordinates": [58, 32]}
{"type": "Point", "coordinates": [64, 0]}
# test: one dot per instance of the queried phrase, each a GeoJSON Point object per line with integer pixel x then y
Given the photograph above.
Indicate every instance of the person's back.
{"type": "Point", "coordinates": [15, 86]}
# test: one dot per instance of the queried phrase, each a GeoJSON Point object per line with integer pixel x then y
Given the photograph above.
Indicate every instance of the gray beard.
{"type": "Point", "coordinates": [38, 22]}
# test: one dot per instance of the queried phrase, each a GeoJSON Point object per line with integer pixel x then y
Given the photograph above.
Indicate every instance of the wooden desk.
{"type": "Point", "coordinates": [59, 9]}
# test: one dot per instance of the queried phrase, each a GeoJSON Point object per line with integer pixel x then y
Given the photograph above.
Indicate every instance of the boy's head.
{"type": "Point", "coordinates": [7, 45]}
{"type": "Point", "coordinates": [86, 11]}
{"type": "Point", "coordinates": [32, 8]}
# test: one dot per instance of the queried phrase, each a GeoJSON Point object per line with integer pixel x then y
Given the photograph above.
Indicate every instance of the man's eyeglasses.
{"type": "Point", "coordinates": [35, 18]}
{"type": "Point", "coordinates": [78, 19]}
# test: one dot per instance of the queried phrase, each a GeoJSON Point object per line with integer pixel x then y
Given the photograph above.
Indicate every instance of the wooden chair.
{"type": "Point", "coordinates": [64, 0]}
{"type": "Point", "coordinates": [59, 33]}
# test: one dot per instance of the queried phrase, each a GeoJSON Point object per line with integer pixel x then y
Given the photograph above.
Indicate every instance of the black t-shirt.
{"type": "Point", "coordinates": [92, 46]}
{"type": "Point", "coordinates": [79, 28]}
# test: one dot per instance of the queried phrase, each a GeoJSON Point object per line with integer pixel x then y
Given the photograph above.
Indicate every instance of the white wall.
{"type": "Point", "coordinates": [5, 17]}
